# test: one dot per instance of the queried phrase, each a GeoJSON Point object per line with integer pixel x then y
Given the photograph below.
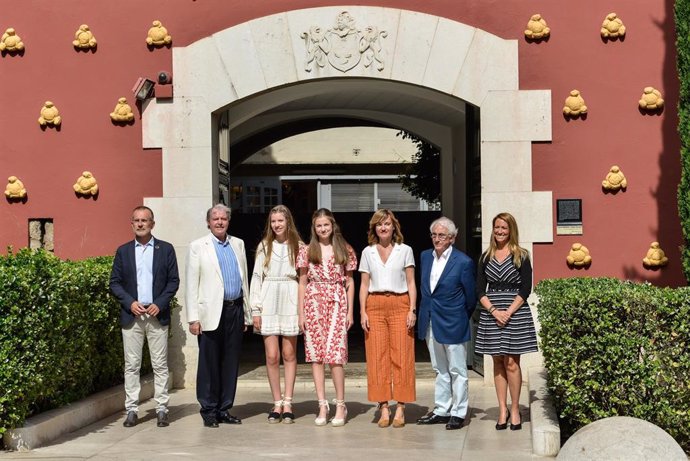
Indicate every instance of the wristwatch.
{"type": "Point", "coordinates": [414, 311]}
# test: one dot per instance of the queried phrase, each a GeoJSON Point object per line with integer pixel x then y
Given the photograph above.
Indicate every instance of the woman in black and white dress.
{"type": "Point", "coordinates": [506, 329]}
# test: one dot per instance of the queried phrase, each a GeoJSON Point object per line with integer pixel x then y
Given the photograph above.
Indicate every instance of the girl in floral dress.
{"type": "Point", "coordinates": [325, 300]}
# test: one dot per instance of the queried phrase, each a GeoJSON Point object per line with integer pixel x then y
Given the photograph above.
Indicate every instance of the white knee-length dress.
{"type": "Point", "coordinates": [273, 291]}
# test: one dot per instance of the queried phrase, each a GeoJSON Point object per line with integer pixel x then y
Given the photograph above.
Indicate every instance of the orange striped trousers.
{"type": "Point", "coordinates": [389, 349]}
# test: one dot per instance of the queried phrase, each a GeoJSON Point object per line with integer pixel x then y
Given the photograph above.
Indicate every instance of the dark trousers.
{"type": "Point", "coordinates": [219, 362]}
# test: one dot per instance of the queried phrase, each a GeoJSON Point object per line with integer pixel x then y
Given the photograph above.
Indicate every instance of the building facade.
{"type": "Point", "coordinates": [243, 75]}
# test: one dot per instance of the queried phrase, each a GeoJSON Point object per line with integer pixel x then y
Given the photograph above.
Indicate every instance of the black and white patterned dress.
{"type": "Point", "coordinates": [501, 283]}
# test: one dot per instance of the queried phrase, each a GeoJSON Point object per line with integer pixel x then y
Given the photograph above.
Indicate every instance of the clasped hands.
{"type": "Point", "coordinates": [502, 317]}
{"type": "Point", "coordinates": [139, 309]}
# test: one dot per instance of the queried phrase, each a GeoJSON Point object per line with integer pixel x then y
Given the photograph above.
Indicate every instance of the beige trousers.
{"type": "Point", "coordinates": [146, 326]}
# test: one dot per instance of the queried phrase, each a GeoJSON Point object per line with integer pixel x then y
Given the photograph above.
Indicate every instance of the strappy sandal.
{"type": "Point", "coordinates": [274, 416]}
{"type": "Point", "coordinates": [384, 421]}
{"type": "Point", "coordinates": [399, 422]}
{"type": "Point", "coordinates": [322, 421]}
{"type": "Point", "coordinates": [337, 422]}
{"type": "Point", "coordinates": [288, 416]}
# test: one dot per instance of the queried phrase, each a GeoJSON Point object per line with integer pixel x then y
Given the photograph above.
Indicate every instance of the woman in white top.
{"type": "Point", "coordinates": [387, 298]}
{"type": "Point", "coordinates": [273, 299]}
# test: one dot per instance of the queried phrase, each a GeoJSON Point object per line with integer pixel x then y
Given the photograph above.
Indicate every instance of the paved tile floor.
{"type": "Point", "coordinates": [360, 439]}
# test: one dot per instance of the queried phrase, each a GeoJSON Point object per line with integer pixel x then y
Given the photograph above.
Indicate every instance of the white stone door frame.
{"type": "Point", "coordinates": [404, 46]}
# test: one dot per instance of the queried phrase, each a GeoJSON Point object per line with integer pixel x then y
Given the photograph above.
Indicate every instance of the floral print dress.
{"type": "Point", "coordinates": [325, 308]}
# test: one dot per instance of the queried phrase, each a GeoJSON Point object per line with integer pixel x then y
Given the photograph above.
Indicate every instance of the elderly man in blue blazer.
{"type": "Point", "coordinates": [447, 302]}
{"type": "Point", "coordinates": [144, 279]}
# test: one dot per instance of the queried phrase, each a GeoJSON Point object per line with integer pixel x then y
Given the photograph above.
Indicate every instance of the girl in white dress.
{"type": "Point", "coordinates": [273, 299]}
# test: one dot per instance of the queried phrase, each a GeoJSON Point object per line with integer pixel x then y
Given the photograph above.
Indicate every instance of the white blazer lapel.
{"type": "Point", "coordinates": [239, 253]}
{"type": "Point", "coordinates": [211, 255]}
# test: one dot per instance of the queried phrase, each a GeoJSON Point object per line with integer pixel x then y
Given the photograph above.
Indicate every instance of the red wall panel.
{"type": "Point", "coordinates": [85, 87]}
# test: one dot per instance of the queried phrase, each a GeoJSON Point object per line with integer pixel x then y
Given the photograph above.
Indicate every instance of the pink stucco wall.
{"type": "Point", "coordinates": [85, 87]}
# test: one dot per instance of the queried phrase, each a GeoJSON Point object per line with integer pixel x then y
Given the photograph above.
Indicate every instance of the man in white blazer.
{"type": "Point", "coordinates": [218, 313]}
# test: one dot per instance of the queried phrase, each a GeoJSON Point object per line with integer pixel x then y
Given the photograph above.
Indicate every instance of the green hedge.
{"type": "Point", "coordinates": [682, 20]}
{"type": "Point", "coordinates": [60, 336]}
{"type": "Point", "coordinates": [617, 348]}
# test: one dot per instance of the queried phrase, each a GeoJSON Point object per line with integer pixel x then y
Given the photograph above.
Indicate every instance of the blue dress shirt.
{"type": "Point", "coordinates": [143, 254]}
{"type": "Point", "coordinates": [229, 268]}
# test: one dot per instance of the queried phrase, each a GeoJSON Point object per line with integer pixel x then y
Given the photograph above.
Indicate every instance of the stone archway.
{"type": "Point", "coordinates": [389, 44]}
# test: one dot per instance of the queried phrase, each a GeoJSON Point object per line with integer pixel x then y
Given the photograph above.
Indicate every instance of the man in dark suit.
{"type": "Point", "coordinates": [218, 312]}
{"type": "Point", "coordinates": [447, 302]}
{"type": "Point", "coordinates": [144, 279]}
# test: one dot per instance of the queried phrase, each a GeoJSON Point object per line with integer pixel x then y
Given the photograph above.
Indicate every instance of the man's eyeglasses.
{"type": "Point", "coordinates": [439, 236]}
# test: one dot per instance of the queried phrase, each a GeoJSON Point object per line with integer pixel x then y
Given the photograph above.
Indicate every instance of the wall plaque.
{"type": "Point", "coordinates": [569, 216]}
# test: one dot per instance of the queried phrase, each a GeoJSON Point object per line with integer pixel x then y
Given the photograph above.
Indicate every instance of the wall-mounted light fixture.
{"type": "Point", "coordinates": [143, 88]}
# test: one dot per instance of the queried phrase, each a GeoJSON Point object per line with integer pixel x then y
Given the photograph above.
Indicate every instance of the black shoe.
{"type": "Point", "coordinates": [455, 422]}
{"type": "Point", "coordinates": [227, 418]}
{"type": "Point", "coordinates": [516, 427]}
{"type": "Point", "coordinates": [504, 426]}
{"type": "Point", "coordinates": [131, 419]}
{"type": "Point", "coordinates": [274, 417]}
{"type": "Point", "coordinates": [162, 417]}
{"type": "Point", "coordinates": [210, 423]}
{"type": "Point", "coordinates": [433, 418]}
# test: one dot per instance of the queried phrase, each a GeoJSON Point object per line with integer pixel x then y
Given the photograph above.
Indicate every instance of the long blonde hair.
{"type": "Point", "coordinates": [518, 253]}
{"type": "Point", "coordinates": [293, 238]}
{"type": "Point", "coordinates": [340, 246]}
{"type": "Point", "coordinates": [378, 217]}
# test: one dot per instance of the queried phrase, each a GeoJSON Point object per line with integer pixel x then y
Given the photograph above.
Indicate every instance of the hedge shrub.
{"type": "Point", "coordinates": [615, 348]}
{"type": "Point", "coordinates": [682, 20]}
{"type": "Point", "coordinates": [60, 336]}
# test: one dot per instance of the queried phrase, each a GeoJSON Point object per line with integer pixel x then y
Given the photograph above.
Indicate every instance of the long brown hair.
{"type": "Point", "coordinates": [340, 246]}
{"type": "Point", "coordinates": [516, 250]}
{"type": "Point", "coordinates": [378, 217]}
{"type": "Point", "coordinates": [293, 238]}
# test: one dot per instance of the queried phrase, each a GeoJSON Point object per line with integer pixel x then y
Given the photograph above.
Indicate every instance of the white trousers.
{"type": "Point", "coordinates": [146, 326]}
{"type": "Point", "coordinates": [449, 361]}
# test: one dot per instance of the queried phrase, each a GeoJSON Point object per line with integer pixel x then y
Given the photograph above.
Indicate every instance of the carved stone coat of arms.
{"type": "Point", "coordinates": [343, 46]}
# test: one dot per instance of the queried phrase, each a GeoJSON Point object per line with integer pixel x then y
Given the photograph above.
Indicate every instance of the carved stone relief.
{"type": "Point", "coordinates": [15, 188]}
{"type": "Point", "coordinates": [655, 257]}
{"type": "Point", "coordinates": [83, 38]}
{"type": "Point", "coordinates": [615, 179]}
{"type": "Point", "coordinates": [344, 46]}
{"type": "Point", "coordinates": [122, 112]}
{"type": "Point", "coordinates": [579, 256]}
{"type": "Point", "coordinates": [86, 185]}
{"type": "Point", "coordinates": [158, 35]}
